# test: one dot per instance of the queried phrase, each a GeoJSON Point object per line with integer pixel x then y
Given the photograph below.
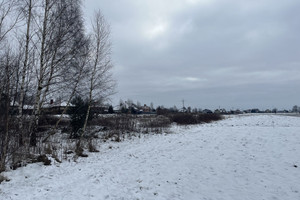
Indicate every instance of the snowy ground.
{"type": "Point", "coordinates": [240, 158]}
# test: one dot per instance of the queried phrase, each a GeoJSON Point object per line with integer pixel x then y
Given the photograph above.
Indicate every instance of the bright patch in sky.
{"type": "Point", "coordinates": [156, 30]}
{"type": "Point", "coordinates": [191, 79]}
{"type": "Point", "coordinates": [203, 2]}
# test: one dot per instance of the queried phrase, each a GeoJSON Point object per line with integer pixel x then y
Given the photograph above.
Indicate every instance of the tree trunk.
{"type": "Point", "coordinates": [22, 89]}
{"type": "Point", "coordinates": [6, 119]}
{"type": "Point", "coordinates": [38, 103]}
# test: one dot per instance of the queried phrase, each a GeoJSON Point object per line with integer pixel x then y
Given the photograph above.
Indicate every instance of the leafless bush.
{"type": "Point", "coordinates": [44, 159]}
{"type": "Point", "coordinates": [189, 118]}
{"type": "Point", "coordinates": [154, 123]}
{"type": "Point", "coordinates": [123, 123]}
{"type": "Point", "coordinates": [92, 146]}
{"type": "Point", "coordinates": [48, 149]}
{"type": "Point", "coordinates": [50, 120]}
{"type": "Point", "coordinates": [79, 150]}
{"type": "Point", "coordinates": [210, 117]}
{"type": "Point", "coordinates": [183, 118]}
{"type": "Point", "coordinates": [117, 127]}
{"type": "Point", "coordinates": [3, 178]}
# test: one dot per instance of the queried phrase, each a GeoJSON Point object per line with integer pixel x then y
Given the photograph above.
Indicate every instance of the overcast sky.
{"type": "Point", "coordinates": [211, 53]}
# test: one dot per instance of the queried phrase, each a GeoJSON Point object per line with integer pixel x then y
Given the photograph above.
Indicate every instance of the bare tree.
{"type": "Point", "coordinates": [8, 18]}
{"type": "Point", "coordinates": [73, 82]}
{"type": "Point", "coordinates": [101, 84]}
{"type": "Point", "coordinates": [7, 66]}
{"type": "Point", "coordinates": [152, 106]}
{"type": "Point", "coordinates": [295, 109]}
{"type": "Point", "coordinates": [59, 47]}
{"type": "Point", "coordinates": [7, 24]}
{"type": "Point", "coordinates": [53, 58]}
{"type": "Point", "coordinates": [138, 105]}
{"type": "Point", "coordinates": [28, 15]}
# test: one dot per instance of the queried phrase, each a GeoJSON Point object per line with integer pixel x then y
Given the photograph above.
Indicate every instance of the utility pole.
{"type": "Point", "coordinates": [183, 108]}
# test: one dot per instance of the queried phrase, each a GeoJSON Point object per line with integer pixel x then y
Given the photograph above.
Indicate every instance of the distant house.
{"type": "Point", "coordinates": [283, 111]}
{"type": "Point", "coordinates": [146, 109]}
{"type": "Point", "coordinates": [220, 111]}
{"type": "Point", "coordinates": [27, 109]}
{"type": "Point", "coordinates": [183, 109]}
{"type": "Point", "coordinates": [255, 110]}
{"type": "Point", "coordinates": [268, 111]}
{"type": "Point", "coordinates": [237, 112]}
{"type": "Point", "coordinates": [223, 111]}
{"type": "Point", "coordinates": [217, 111]}
{"type": "Point", "coordinates": [54, 107]}
{"type": "Point", "coordinates": [207, 111]}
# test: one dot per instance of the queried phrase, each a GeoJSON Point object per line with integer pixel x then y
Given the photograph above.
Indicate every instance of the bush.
{"type": "Point", "coordinates": [77, 113]}
{"type": "Point", "coordinates": [3, 178]}
{"type": "Point", "coordinates": [92, 147]}
{"type": "Point", "coordinates": [117, 122]}
{"type": "Point", "coordinates": [117, 126]}
{"type": "Point", "coordinates": [184, 118]}
{"type": "Point", "coordinates": [44, 159]}
{"type": "Point", "coordinates": [110, 109]}
{"type": "Point", "coordinates": [79, 151]}
{"type": "Point", "coordinates": [154, 122]}
{"type": "Point", "coordinates": [189, 118]}
{"type": "Point", "coordinates": [45, 120]}
{"type": "Point", "coordinates": [209, 117]}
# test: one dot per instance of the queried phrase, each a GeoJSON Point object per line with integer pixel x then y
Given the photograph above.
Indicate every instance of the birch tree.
{"type": "Point", "coordinates": [8, 18]}
{"type": "Point", "coordinates": [8, 68]}
{"type": "Point", "coordinates": [101, 85]}
{"type": "Point", "coordinates": [59, 47]}
{"type": "Point", "coordinates": [7, 24]}
{"type": "Point", "coordinates": [28, 16]}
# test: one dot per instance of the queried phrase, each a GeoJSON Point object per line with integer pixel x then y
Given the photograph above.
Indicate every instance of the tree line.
{"type": "Point", "coordinates": [45, 53]}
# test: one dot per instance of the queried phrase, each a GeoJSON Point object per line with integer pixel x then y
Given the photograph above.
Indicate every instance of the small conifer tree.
{"type": "Point", "coordinates": [110, 109]}
{"type": "Point", "coordinates": [77, 113]}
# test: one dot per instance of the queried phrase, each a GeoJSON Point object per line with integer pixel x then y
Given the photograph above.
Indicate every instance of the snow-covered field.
{"type": "Point", "coordinates": [253, 157]}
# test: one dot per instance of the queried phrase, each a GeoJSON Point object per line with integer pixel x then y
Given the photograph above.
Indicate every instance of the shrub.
{"type": "Point", "coordinates": [77, 113]}
{"type": "Point", "coordinates": [48, 149]}
{"type": "Point", "coordinates": [3, 178]}
{"type": "Point", "coordinates": [154, 123]}
{"type": "Point", "coordinates": [209, 117]}
{"type": "Point", "coordinates": [43, 158]}
{"type": "Point", "coordinates": [121, 123]}
{"type": "Point", "coordinates": [79, 151]}
{"type": "Point", "coordinates": [110, 109]}
{"type": "Point", "coordinates": [45, 120]}
{"type": "Point", "coordinates": [189, 118]}
{"type": "Point", "coordinates": [183, 118]}
{"type": "Point", "coordinates": [92, 147]}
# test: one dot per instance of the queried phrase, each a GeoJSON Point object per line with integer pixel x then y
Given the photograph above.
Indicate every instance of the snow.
{"type": "Point", "coordinates": [248, 157]}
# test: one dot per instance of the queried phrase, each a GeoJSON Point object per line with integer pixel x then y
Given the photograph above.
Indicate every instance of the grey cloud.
{"type": "Point", "coordinates": [232, 53]}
